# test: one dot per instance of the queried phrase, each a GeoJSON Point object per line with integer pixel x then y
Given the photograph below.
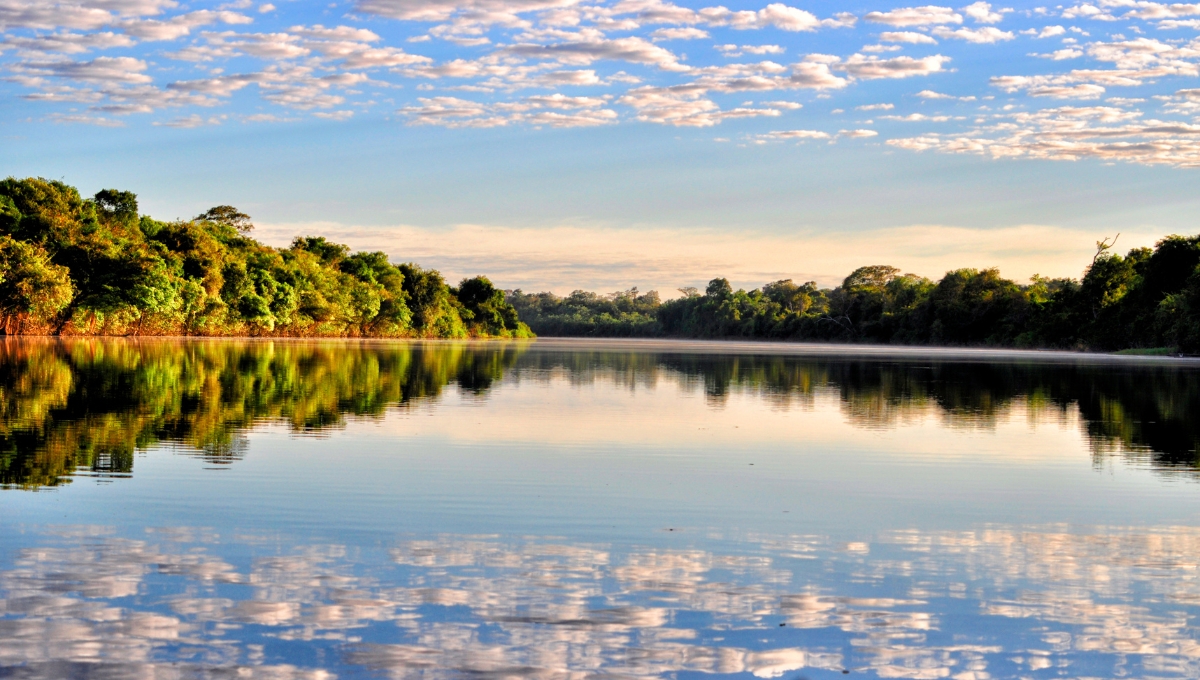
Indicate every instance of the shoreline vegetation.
{"type": "Point", "coordinates": [96, 267]}
{"type": "Point", "coordinates": [1146, 302]}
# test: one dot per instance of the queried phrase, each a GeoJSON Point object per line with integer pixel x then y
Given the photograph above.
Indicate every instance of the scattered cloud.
{"type": "Point", "coordinates": [570, 63]}
{"type": "Point", "coordinates": [98, 70]}
{"type": "Point", "coordinates": [911, 37]}
{"type": "Point", "coordinates": [983, 13]}
{"type": "Point", "coordinates": [1073, 133]}
{"type": "Point", "coordinates": [983, 36]}
{"type": "Point", "coordinates": [682, 33]}
{"type": "Point", "coordinates": [192, 121]}
{"type": "Point", "coordinates": [871, 68]}
{"type": "Point", "coordinates": [930, 94]}
{"type": "Point", "coordinates": [584, 52]}
{"type": "Point", "coordinates": [1061, 55]}
{"type": "Point", "coordinates": [791, 135]}
{"type": "Point", "coordinates": [916, 16]}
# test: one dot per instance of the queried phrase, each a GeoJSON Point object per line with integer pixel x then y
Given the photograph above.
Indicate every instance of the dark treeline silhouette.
{"type": "Point", "coordinates": [1149, 298]}
{"type": "Point", "coordinates": [76, 266]}
{"type": "Point", "coordinates": [71, 406]}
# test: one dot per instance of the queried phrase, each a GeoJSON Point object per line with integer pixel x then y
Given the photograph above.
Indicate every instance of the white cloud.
{"type": "Point", "coordinates": [763, 49]}
{"type": "Point", "coordinates": [548, 110]}
{"type": "Point", "coordinates": [98, 70]}
{"type": "Point", "coordinates": [633, 49]}
{"type": "Point", "coordinates": [791, 135]}
{"type": "Point", "coordinates": [579, 77]}
{"type": "Point", "coordinates": [687, 33]}
{"type": "Point", "coordinates": [441, 10]}
{"type": "Point", "coordinates": [85, 119]}
{"type": "Point", "coordinates": [451, 112]}
{"type": "Point", "coordinates": [870, 68]}
{"type": "Point", "coordinates": [916, 16]}
{"type": "Point", "coordinates": [1102, 133]}
{"type": "Point", "coordinates": [1083, 91]}
{"type": "Point", "coordinates": [549, 46]}
{"type": "Point", "coordinates": [334, 115]}
{"type": "Point", "coordinates": [737, 51]}
{"type": "Point", "coordinates": [930, 94]}
{"type": "Point", "coordinates": [1060, 55]}
{"type": "Point", "coordinates": [917, 118]}
{"type": "Point", "coordinates": [1156, 10]}
{"type": "Point", "coordinates": [985, 35]}
{"type": "Point", "coordinates": [1087, 11]}
{"type": "Point", "coordinates": [181, 25]}
{"type": "Point", "coordinates": [875, 107]}
{"type": "Point", "coordinates": [857, 134]}
{"type": "Point", "coordinates": [775, 14]}
{"type": "Point", "coordinates": [336, 33]}
{"type": "Point", "coordinates": [982, 13]}
{"type": "Point", "coordinates": [192, 121]}
{"type": "Point", "coordinates": [907, 37]}
{"type": "Point", "coordinates": [684, 107]}
{"type": "Point", "coordinates": [83, 15]}
{"type": "Point", "coordinates": [67, 43]}
{"type": "Point", "coordinates": [840, 20]}
{"type": "Point", "coordinates": [1048, 31]}
{"type": "Point", "coordinates": [48, 17]}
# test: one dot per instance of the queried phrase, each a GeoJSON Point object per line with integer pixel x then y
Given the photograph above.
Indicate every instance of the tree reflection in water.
{"type": "Point", "coordinates": [85, 406]}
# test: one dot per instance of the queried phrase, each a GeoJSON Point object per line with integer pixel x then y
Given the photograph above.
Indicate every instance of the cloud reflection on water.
{"type": "Point", "coordinates": [1000, 601]}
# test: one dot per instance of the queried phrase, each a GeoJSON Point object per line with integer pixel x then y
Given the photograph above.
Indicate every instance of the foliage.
{"type": "Point", "coordinates": [627, 313]}
{"type": "Point", "coordinates": [1149, 298]}
{"type": "Point", "coordinates": [71, 405]}
{"type": "Point", "coordinates": [76, 266]}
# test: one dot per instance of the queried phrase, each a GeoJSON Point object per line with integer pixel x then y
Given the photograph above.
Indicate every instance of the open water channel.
{"type": "Point", "coordinates": [591, 509]}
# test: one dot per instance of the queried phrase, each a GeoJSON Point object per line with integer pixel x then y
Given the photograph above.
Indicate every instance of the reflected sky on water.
{"type": "Point", "coordinates": [586, 509]}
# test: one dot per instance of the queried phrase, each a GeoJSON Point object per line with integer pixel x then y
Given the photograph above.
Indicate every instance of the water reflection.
{"type": "Point", "coordinates": [1001, 601]}
{"type": "Point", "coordinates": [72, 406]}
{"type": "Point", "coordinates": [68, 405]}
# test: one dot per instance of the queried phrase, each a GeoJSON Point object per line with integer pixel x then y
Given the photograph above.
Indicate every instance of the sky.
{"type": "Point", "coordinates": [564, 144]}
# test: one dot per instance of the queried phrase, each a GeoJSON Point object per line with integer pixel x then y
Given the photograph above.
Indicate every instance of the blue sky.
{"type": "Point", "coordinates": [557, 144]}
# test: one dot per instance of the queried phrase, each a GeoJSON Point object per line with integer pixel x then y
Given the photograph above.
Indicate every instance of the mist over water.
{"type": "Point", "coordinates": [580, 509]}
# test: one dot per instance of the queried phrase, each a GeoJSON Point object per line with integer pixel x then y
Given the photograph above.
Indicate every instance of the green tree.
{"type": "Point", "coordinates": [228, 216]}
{"type": "Point", "coordinates": [32, 289]}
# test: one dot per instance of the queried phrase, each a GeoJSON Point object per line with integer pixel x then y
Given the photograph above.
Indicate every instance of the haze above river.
{"type": "Point", "coordinates": [578, 509]}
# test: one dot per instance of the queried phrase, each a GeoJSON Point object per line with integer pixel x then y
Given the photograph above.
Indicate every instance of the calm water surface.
{"type": "Point", "coordinates": [558, 509]}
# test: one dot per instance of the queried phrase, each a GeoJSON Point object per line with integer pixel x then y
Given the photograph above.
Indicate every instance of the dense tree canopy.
{"type": "Point", "coordinates": [1149, 298]}
{"type": "Point", "coordinates": [70, 265]}
{"type": "Point", "coordinates": [73, 266]}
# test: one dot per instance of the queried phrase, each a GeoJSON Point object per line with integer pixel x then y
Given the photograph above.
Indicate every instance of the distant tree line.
{"type": "Point", "coordinates": [1150, 298]}
{"type": "Point", "coordinates": [76, 266]}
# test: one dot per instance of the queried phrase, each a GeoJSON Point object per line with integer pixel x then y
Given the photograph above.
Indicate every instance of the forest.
{"type": "Point", "coordinates": [1147, 301]}
{"type": "Point", "coordinates": [71, 265]}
